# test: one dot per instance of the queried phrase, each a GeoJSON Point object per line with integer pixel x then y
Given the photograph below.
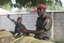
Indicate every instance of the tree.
{"type": "Point", "coordinates": [51, 4]}
{"type": "Point", "coordinates": [54, 4]}
{"type": "Point", "coordinates": [31, 2]}
{"type": "Point", "coordinates": [2, 2]}
{"type": "Point", "coordinates": [5, 4]}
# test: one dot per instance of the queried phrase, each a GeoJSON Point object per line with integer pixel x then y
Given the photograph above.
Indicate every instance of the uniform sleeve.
{"type": "Point", "coordinates": [47, 24]}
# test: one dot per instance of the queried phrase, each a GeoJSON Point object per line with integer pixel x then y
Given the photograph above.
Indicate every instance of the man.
{"type": "Point", "coordinates": [18, 26]}
{"type": "Point", "coordinates": [43, 24]}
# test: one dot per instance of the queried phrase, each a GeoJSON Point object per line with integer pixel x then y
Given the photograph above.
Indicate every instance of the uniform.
{"type": "Point", "coordinates": [41, 23]}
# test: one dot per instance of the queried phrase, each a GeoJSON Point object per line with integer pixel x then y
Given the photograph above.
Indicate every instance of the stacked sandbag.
{"type": "Point", "coordinates": [5, 37]}
{"type": "Point", "coordinates": [28, 39]}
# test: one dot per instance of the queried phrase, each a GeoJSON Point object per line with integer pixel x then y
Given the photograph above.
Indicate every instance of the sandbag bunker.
{"type": "Point", "coordinates": [7, 37]}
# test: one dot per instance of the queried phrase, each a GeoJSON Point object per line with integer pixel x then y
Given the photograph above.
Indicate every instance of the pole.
{"type": "Point", "coordinates": [52, 30]}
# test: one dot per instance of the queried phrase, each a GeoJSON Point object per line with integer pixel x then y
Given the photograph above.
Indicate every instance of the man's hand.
{"type": "Point", "coordinates": [8, 16]}
{"type": "Point", "coordinates": [24, 31]}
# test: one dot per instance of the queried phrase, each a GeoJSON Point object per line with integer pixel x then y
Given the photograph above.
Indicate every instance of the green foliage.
{"type": "Point", "coordinates": [53, 6]}
{"type": "Point", "coordinates": [22, 2]}
{"type": "Point", "coordinates": [36, 2]}
{"type": "Point", "coordinates": [6, 6]}
{"type": "Point", "coordinates": [30, 2]}
{"type": "Point", "coordinates": [60, 41]}
{"type": "Point", "coordinates": [49, 3]}
{"type": "Point", "coordinates": [2, 2]}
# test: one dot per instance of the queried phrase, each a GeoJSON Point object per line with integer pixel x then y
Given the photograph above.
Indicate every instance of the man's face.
{"type": "Point", "coordinates": [41, 12]}
{"type": "Point", "coordinates": [19, 21]}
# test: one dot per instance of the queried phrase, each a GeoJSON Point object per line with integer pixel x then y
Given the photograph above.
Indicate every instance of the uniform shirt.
{"type": "Point", "coordinates": [41, 23]}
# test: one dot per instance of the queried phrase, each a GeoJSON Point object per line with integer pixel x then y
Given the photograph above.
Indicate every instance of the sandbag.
{"type": "Point", "coordinates": [28, 39]}
{"type": "Point", "coordinates": [5, 37]}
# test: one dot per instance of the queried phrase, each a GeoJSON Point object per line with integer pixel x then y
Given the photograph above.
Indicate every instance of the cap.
{"type": "Point", "coordinates": [42, 6]}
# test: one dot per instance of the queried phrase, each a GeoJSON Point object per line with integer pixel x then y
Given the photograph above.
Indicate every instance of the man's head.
{"type": "Point", "coordinates": [19, 19]}
{"type": "Point", "coordinates": [41, 9]}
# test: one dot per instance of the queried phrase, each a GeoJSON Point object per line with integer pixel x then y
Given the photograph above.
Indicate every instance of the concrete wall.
{"type": "Point", "coordinates": [5, 23]}
{"type": "Point", "coordinates": [59, 25]}
{"type": "Point", "coordinates": [29, 20]}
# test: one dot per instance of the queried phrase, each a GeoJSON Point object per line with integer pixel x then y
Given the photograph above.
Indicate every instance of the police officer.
{"type": "Point", "coordinates": [43, 24]}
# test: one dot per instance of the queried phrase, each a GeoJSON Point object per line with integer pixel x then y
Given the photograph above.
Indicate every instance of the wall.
{"type": "Point", "coordinates": [59, 25]}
